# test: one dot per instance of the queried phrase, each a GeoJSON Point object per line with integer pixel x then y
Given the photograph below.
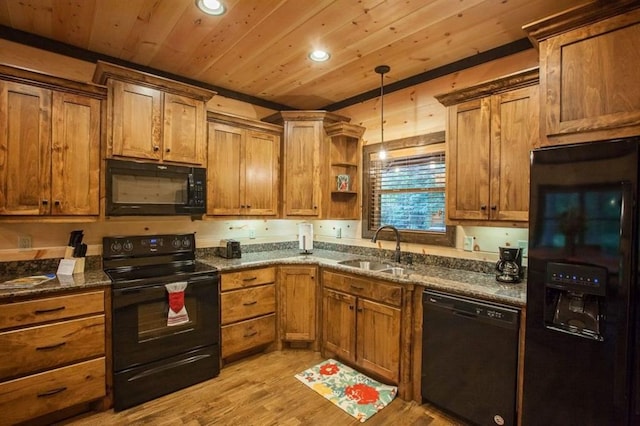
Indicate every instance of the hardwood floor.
{"type": "Point", "coordinates": [260, 390]}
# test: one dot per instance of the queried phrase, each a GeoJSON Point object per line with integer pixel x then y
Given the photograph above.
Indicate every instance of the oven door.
{"type": "Point", "coordinates": [141, 333]}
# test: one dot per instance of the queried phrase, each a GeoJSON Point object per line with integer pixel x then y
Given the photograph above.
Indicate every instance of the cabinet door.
{"type": "Point", "coordinates": [25, 149]}
{"type": "Point", "coordinates": [75, 167]}
{"type": "Point", "coordinates": [260, 168]}
{"type": "Point", "coordinates": [468, 160]}
{"type": "Point", "coordinates": [183, 134]}
{"type": "Point", "coordinates": [515, 132]}
{"type": "Point", "coordinates": [378, 338]}
{"type": "Point", "coordinates": [298, 305]}
{"type": "Point", "coordinates": [302, 168]}
{"type": "Point", "coordinates": [225, 193]}
{"type": "Point", "coordinates": [590, 76]}
{"type": "Point", "coordinates": [137, 121]}
{"type": "Point", "coordinates": [339, 324]}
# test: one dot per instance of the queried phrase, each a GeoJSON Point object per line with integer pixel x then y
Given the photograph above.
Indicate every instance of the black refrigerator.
{"type": "Point", "coordinates": [581, 341]}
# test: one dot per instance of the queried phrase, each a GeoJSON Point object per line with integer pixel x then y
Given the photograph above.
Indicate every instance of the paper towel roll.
{"type": "Point", "coordinates": [305, 236]}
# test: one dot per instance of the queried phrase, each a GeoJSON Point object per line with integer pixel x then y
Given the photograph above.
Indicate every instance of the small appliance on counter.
{"type": "Point", "coordinates": [305, 237]}
{"type": "Point", "coordinates": [230, 249]}
{"type": "Point", "coordinates": [509, 267]}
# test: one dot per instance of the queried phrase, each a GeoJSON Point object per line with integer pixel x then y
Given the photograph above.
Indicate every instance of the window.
{"type": "Point", "coordinates": [407, 190]}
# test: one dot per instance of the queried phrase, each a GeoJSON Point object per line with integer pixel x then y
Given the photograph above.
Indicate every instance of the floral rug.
{"type": "Point", "coordinates": [350, 390]}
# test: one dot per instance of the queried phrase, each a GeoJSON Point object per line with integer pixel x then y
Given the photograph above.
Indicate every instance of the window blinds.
{"type": "Point", "coordinates": [408, 192]}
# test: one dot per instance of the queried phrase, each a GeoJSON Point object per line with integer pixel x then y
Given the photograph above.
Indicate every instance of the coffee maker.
{"type": "Point", "coordinates": [509, 267]}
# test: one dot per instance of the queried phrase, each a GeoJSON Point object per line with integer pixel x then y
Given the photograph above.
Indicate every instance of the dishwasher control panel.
{"type": "Point", "coordinates": [472, 308]}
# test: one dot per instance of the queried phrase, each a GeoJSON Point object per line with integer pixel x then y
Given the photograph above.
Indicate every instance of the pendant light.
{"type": "Point", "coordinates": [382, 70]}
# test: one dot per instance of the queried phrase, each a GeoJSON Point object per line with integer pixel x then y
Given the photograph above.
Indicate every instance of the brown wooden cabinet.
{"type": "Point", "coordinates": [50, 145]}
{"type": "Point", "coordinates": [361, 323]}
{"type": "Point", "coordinates": [298, 288]}
{"type": "Point", "coordinates": [243, 167]}
{"type": "Point", "coordinates": [52, 354]}
{"type": "Point", "coordinates": [589, 57]}
{"type": "Point", "coordinates": [318, 146]}
{"type": "Point", "coordinates": [248, 304]}
{"type": "Point", "coordinates": [153, 118]}
{"type": "Point", "coordinates": [491, 129]}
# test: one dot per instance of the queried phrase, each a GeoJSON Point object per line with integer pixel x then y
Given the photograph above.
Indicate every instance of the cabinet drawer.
{"type": "Point", "coordinates": [44, 393]}
{"type": "Point", "coordinates": [37, 348]}
{"type": "Point", "coordinates": [250, 278]}
{"type": "Point", "coordinates": [50, 309]}
{"type": "Point", "coordinates": [359, 286]}
{"type": "Point", "coordinates": [248, 303]}
{"type": "Point", "coordinates": [248, 334]}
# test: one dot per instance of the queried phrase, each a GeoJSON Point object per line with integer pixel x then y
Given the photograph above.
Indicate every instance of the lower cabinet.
{"type": "Point", "coordinates": [52, 354]}
{"type": "Point", "coordinates": [248, 300]}
{"type": "Point", "coordinates": [298, 304]}
{"type": "Point", "coordinates": [362, 323]}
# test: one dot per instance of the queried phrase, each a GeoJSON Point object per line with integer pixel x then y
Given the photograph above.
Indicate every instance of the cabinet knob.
{"type": "Point", "coordinates": [494, 207]}
{"type": "Point", "coordinates": [359, 309]}
{"type": "Point", "coordinates": [242, 206]}
{"type": "Point", "coordinates": [248, 206]}
{"type": "Point", "coordinates": [315, 207]}
{"type": "Point", "coordinates": [483, 207]}
{"type": "Point", "coordinates": [351, 307]}
{"type": "Point", "coordinates": [168, 150]}
{"type": "Point", "coordinates": [156, 148]}
{"type": "Point", "coordinates": [57, 202]}
{"type": "Point", "coordinates": [45, 202]}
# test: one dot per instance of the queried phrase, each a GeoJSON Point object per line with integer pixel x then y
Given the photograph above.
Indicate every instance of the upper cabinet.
{"type": "Point", "coordinates": [491, 129]}
{"type": "Point", "coordinates": [320, 165]}
{"type": "Point", "coordinates": [153, 118]}
{"type": "Point", "coordinates": [49, 145]}
{"type": "Point", "coordinates": [589, 57]}
{"type": "Point", "coordinates": [243, 167]}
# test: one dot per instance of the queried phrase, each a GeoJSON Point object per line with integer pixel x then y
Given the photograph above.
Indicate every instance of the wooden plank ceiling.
{"type": "Point", "coordinates": [259, 47]}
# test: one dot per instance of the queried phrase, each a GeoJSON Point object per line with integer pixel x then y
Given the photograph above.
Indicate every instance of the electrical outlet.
{"type": "Point", "coordinates": [252, 234]}
{"type": "Point", "coordinates": [468, 244]}
{"type": "Point", "coordinates": [338, 232]}
{"type": "Point", "coordinates": [24, 241]}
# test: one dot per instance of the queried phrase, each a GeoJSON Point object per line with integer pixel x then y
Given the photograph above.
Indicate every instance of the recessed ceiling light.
{"type": "Point", "coordinates": [211, 7]}
{"type": "Point", "coordinates": [319, 56]}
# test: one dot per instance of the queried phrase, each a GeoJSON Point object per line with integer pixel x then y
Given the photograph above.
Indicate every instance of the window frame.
{"type": "Point", "coordinates": [446, 239]}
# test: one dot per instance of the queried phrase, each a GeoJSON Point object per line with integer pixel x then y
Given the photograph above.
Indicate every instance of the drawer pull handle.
{"type": "Point", "coordinates": [48, 311]}
{"type": "Point", "coordinates": [54, 346]}
{"type": "Point", "coordinates": [250, 303]}
{"type": "Point", "coordinates": [52, 392]}
{"type": "Point", "coordinates": [250, 279]}
{"type": "Point", "coordinates": [251, 334]}
{"type": "Point", "coordinates": [355, 287]}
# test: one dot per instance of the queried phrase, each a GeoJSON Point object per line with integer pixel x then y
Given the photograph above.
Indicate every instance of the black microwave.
{"type": "Point", "coordinates": [134, 188]}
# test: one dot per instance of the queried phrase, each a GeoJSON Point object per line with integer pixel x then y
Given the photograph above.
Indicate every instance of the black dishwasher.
{"type": "Point", "coordinates": [470, 358]}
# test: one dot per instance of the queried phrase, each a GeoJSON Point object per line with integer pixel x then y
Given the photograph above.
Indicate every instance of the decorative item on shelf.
{"type": "Point", "coordinates": [343, 183]}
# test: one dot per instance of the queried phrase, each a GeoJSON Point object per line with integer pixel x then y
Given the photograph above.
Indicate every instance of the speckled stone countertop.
{"type": "Point", "coordinates": [90, 278]}
{"type": "Point", "coordinates": [455, 281]}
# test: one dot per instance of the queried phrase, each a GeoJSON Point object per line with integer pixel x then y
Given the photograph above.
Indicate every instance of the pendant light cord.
{"type": "Point", "coordinates": [382, 70]}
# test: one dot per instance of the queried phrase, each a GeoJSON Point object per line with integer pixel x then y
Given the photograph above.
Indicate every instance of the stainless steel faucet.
{"type": "Point", "coordinates": [375, 237]}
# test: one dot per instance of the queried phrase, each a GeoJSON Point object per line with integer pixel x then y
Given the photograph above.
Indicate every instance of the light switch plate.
{"type": "Point", "coordinates": [468, 244]}
{"type": "Point", "coordinates": [524, 246]}
{"type": "Point", "coordinates": [252, 234]}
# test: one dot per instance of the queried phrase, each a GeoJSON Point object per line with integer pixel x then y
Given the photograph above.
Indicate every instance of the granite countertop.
{"type": "Point", "coordinates": [86, 280]}
{"type": "Point", "coordinates": [455, 281]}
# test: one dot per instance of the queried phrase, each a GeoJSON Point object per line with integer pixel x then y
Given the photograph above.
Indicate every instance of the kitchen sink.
{"type": "Point", "coordinates": [365, 264]}
{"type": "Point", "coordinates": [397, 271]}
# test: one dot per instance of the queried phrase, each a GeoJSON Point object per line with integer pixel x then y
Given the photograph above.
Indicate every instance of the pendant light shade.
{"type": "Point", "coordinates": [382, 70]}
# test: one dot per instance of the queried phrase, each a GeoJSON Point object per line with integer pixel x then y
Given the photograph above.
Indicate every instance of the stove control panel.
{"type": "Point", "coordinates": [145, 245]}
